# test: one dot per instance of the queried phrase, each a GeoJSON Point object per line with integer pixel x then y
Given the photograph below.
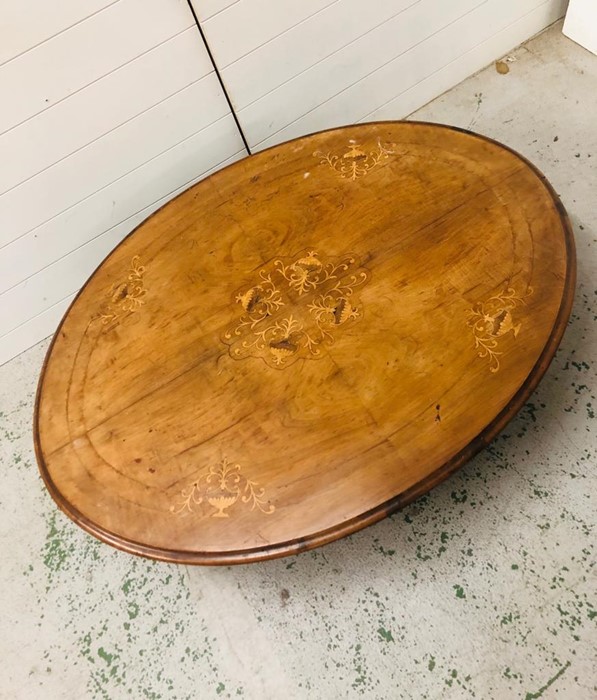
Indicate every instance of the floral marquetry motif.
{"type": "Point", "coordinates": [355, 161]}
{"type": "Point", "coordinates": [493, 319]}
{"type": "Point", "coordinates": [223, 486]}
{"type": "Point", "coordinates": [296, 307]}
{"type": "Point", "coordinates": [125, 296]}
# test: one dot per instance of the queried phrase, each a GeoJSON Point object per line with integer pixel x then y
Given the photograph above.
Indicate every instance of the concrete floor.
{"type": "Point", "coordinates": [484, 588]}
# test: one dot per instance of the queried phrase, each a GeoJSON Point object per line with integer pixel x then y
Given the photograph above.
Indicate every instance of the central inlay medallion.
{"type": "Point", "coordinates": [294, 307]}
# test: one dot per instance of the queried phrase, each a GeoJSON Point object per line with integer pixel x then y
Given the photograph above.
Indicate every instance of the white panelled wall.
{"type": "Point", "coordinates": [109, 109]}
{"type": "Point", "coordinates": [291, 68]}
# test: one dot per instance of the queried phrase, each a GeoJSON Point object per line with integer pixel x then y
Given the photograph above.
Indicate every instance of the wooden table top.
{"type": "Point", "coordinates": [304, 342]}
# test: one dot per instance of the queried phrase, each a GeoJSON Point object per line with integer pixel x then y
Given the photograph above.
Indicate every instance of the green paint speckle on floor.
{"type": "Point", "coordinates": [105, 656]}
{"type": "Point", "coordinates": [484, 588]}
{"type": "Point", "coordinates": [386, 635]}
{"type": "Point", "coordinates": [459, 591]}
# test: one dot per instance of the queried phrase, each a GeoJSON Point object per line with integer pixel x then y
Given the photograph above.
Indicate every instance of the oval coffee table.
{"type": "Point", "coordinates": [303, 343]}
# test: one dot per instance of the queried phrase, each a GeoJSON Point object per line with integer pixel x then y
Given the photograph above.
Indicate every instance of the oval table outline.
{"type": "Point", "coordinates": [392, 505]}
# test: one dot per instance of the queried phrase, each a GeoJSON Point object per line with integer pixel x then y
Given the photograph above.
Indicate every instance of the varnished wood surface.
{"type": "Point", "coordinates": [304, 342]}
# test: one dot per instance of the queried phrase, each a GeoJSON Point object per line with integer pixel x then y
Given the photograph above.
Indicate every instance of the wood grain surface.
{"type": "Point", "coordinates": [304, 342]}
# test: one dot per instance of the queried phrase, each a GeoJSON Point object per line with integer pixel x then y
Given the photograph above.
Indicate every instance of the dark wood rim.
{"type": "Point", "coordinates": [392, 505]}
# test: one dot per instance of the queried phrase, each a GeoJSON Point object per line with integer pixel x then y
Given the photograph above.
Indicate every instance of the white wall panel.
{"type": "Point", "coordinates": [456, 70]}
{"type": "Point", "coordinates": [205, 9]}
{"type": "Point", "coordinates": [135, 114]}
{"type": "Point", "coordinates": [361, 65]}
{"type": "Point", "coordinates": [26, 23]}
{"type": "Point", "coordinates": [93, 111]}
{"type": "Point", "coordinates": [104, 160]}
{"type": "Point", "coordinates": [91, 49]}
{"type": "Point", "coordinates": [360, 40]}
{"type": "Point", "coordinates": [248, 24]}
{"type": "Point", "coordinates": [408, 70]}
{"type": "Point", "coordinates": [337, 63]}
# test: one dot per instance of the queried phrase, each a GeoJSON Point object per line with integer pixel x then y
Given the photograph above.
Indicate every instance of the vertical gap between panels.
{"type": "Point", "coordinates": [211, 58]}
